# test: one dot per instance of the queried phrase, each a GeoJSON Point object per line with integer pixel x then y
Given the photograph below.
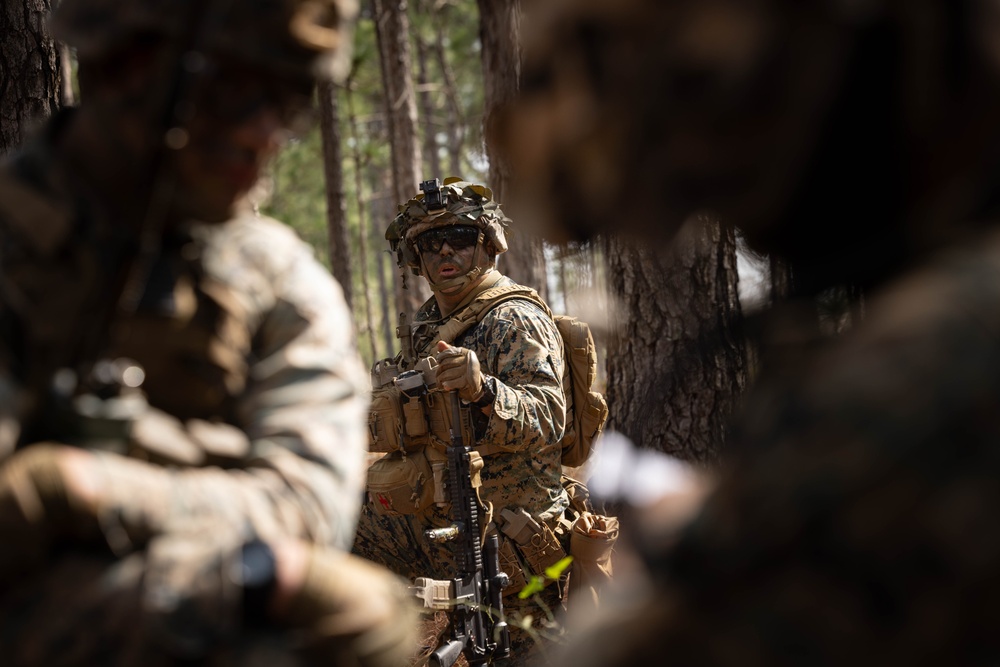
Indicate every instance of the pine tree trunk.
{"type": "Point", "coordinates": [336, 207]}
{"type": "Point", "coordinates": [392, 32]}
{"type": "Point", "coordinates": [676, 364]}
{"type": "Point", "coordinates": [382, 208]}
{"type": "Point", "coordinates": [30, 70]}
{"type": "Point", "coordinates": [432, 161]}
{"type": "Point", "coordinates": [453, 109]}
{"type": "Point", "coordinates": [499, 29]}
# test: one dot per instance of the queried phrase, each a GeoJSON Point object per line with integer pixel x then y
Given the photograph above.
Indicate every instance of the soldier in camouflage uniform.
{"type": "Point", "coordinates": [181, 423]}
{"type": "Point", "coordinates": [855, 523]}
{"type": "Point", "coordinates": [507, 369]}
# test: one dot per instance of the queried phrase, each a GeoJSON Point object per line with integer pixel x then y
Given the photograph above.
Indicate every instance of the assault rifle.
{"type": "Point", "coordinates": [473, 598]}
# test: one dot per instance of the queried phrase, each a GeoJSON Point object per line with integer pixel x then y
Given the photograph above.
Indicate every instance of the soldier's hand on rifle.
{"type": "Point", "coordinates": [458, 369]}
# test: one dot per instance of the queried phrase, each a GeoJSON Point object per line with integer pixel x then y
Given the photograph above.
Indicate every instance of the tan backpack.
{"type": "Point", "coordinates": [588, 407]}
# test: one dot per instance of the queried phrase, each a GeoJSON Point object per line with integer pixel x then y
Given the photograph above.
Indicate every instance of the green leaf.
{"type": "Point", "coordinates": [535, 585]}
{"type": "Point", "coordinates": [555, 570]}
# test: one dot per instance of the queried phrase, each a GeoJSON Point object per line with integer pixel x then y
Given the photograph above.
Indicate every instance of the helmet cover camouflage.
{"type": "Point", "coordinates": [465, 203]}
{"type": "Point", "coordinates": [310, 38]}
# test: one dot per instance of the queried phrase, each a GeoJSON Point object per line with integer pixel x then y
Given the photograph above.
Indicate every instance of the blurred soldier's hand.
{"type": "Point", "coordinates": [41, 502]}
{"type": "Point", "coordinates": [458, 369]}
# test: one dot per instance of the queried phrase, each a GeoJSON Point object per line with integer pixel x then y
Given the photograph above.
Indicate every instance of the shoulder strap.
{"type": "Point", "coordinates": [482, 304]}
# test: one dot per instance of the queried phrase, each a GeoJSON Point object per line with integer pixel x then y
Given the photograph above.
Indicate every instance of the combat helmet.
{"type": "Point", "coordinates": [455, 202]}
{"type": "Point", "coordinates": [297, 38]}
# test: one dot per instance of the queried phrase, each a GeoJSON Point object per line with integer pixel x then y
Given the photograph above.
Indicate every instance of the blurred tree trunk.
{"type": "Point", "coordinates": [336, 207]}
{"type": "Point", "coordinates": [454, 117]}
{"type": "Point", "coordinates": [432, 161]}
{"type": "Point", "coordinates": [676, 360]}
{"type": "Point", "coordinates": [392, 32]}
{"type": "Point", "coordinates": [383, 208]}
{"type": "Point", "coordinates": [30, 70]}
{"type": "Point", "coordinates": [499, 30]}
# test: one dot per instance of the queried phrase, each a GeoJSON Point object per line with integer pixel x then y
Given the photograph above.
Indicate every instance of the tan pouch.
{"type": "Point", "coordinates": [510, 564]}
{"type": "Point", "coordinates": [400, 484]}
{"type": "Point", "coordinates": [592, 541]}
{"type": "Point", "coordinates": [385, 419]}
{"type": "Point", "coordinates": [537, 543]}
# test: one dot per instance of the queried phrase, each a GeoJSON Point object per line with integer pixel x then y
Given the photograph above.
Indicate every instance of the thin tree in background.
{"type": "Point", "coordinates": [499, 22]}
{"type": "Point", "coordinates": [359, 189]}
{"type": "Point", "coordinates": [336, 207]}
{"type": "Point", "coordinates": [454, 118]}
{"type": "Point", "coordinates": [425, 85]}
{"type": "Point", "coordinates": [382, 208]}
{"type": "Point", "coordinates": [30, 70]}
{"type": "Point", "coordinates": [676, 361]}
{"type": "Point", "coordinates": [392, 32]}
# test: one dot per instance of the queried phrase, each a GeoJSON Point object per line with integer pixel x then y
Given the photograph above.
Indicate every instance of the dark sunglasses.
{"type": "Point", "coordinates": [457, 237]}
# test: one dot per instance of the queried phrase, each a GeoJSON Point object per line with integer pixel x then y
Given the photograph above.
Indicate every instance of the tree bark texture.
{"type": "Point", "coordinates": [336, 207]}
{"type": "Point", "coordinates": [392, 32]}
{"type": "Point", "coordinates": [676, 361]}
{"type": "Point", "coordinates": [432, 160]}
{"type": "Point", "coordinates": [499, 31]}
{"type": "Point", "coordinates": [455, 119]}
{"type": "Point", "coordinates": [30, 70]}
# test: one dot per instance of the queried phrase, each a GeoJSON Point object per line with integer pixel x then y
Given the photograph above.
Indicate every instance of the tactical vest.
{"type": "Point", "coordinates": [588, 408]}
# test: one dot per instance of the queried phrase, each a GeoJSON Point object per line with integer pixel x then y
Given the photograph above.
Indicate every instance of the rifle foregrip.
{"type": "Point", "coordinates": [446, 654]}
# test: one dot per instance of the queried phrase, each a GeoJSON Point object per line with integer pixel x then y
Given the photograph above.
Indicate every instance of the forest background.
{"type": "Point", "coordinates": [426, 78]}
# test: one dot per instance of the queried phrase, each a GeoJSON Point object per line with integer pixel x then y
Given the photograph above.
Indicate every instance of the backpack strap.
{"type": "Point", "coordinates": [482, 304]}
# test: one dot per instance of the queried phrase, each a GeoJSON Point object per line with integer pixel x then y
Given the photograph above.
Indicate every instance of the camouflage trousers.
{"type": "Point", "coordinates": [397, 542]}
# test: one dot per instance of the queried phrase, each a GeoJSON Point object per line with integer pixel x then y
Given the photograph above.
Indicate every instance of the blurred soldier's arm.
{"type": "Point", "coordinates": [521, 386]}
{"type": "Point", "coordinates": [302, 410]}
{"type": "Point", "coordinates": [303, 407]}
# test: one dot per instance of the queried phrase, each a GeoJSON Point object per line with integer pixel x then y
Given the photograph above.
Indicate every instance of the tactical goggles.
{"type": "Point", "coordinates": [458, 237]}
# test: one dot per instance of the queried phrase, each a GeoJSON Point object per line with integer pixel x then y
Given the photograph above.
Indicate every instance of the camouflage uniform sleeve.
{"type": "Point", "coordinates": [520, 347]}
{"type": "Point", "coordinates": [305, 403]}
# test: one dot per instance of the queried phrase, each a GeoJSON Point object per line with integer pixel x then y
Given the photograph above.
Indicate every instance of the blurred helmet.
{"type": "Point", "coordinates": [455, 202]}
{"type": "Point", "coordinates": [301, 38]}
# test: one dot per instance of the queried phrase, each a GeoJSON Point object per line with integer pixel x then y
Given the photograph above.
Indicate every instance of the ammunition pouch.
{"type": "Point", "coordinates": [401, 484]}
{"type": "Point", "coordinates": [385, 420]}
{"type": "Point", "coordinates": [407, 411]}
{"type": "Point", "coordinates": [534, 542]}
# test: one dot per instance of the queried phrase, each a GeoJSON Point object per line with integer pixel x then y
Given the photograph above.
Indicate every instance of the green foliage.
{"type": "Point", "coordinates": [537, 582]}
{"type": "Point", "coordinates": [294, 189]}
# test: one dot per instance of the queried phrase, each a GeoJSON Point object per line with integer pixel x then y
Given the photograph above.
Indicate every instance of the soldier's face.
{"type": "Point", "coordinates": [448, 252]}
{"type": "Point", "coordinates": [242, 117]}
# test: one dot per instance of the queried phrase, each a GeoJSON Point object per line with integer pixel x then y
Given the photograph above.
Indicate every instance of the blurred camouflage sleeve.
{"type": "Point", "coordinates": [305, 403]}
{"type": "Point", "coordinates": [520, 347]}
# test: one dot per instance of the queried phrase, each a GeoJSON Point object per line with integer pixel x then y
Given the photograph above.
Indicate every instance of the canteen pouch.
{"type": "Point", "coordinates": [400, 484]}
{"type": "Point", "coordinates": [591, 544]}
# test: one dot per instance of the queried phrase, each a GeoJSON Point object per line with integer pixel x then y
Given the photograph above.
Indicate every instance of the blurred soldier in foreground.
{"type": "Point", "coordinates": [497, 345]}
{"type": "Point", "coordinates": [181, 428]}
{"type": "Point", "coordinates": [858, 141]}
